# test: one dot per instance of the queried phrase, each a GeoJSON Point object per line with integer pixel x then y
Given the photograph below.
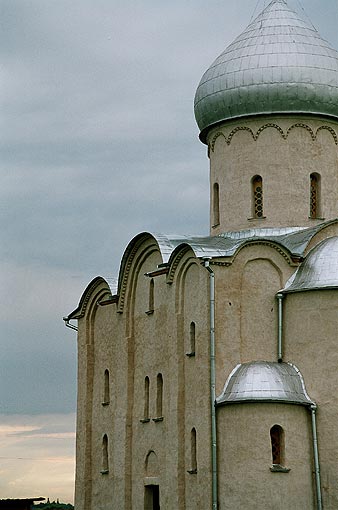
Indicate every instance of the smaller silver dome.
{"type": "Point", "coordinates": [319, 269]}
{"type": "Point", "coordinates": [263, 381]}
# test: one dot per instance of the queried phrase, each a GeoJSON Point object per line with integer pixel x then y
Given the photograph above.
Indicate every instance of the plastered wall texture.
{"type": "Point", "coordinates": [245, 461]}
{"type": "Point", "coordinates": [284, 152]}
{"type": "Point", "coordinates": [310, 340]}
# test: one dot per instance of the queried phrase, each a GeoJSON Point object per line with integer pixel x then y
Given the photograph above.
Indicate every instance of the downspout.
{"type": "Point", "coordinates": [280, 297]}
{"type": "Point", "coordinates": [212, 384]}
{"type": "Point", "coordinates": [313, 409]}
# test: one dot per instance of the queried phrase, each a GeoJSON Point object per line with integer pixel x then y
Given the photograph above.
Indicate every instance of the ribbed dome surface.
{"type": "Point", "coordinates": [319, 269]}
{"type": "Point", "coordinates": [262, 381]}
{"type": "Point", "coordinates": [279, 64]}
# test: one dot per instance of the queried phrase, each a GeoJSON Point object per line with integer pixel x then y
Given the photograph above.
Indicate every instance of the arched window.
{"type": "Point", "coordinates": [159, 396]}
{"type": "Point", "coordinates": [192, 338]}
{"type": "Point", "coordinates": [106, 391]}
{"type": "Point", "coordinates": [314, 195]}
{"type": "Point", "coordinates": [105, 458]}
{"type": "Point", "coordinates": [257, 196]}
{"type": "Point", "coordinates": [146, 399]}
{"type": "Point", "coordinates": [193, 451]}
{"type": "Point", "coordinates": [215, 202]}
{"type": "Point", "coordinates": [277, 445]}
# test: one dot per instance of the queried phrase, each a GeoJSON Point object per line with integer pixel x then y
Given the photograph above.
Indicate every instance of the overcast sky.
{"type": "Point", "coordinates": [98, 143]}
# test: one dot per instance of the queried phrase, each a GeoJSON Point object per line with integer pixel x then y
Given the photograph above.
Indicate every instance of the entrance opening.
{"type": "Point", "coordinates": [151, 497]}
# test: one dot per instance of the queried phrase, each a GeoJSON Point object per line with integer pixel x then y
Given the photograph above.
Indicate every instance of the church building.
{"type": "Point", "coordinates": [208, 375]}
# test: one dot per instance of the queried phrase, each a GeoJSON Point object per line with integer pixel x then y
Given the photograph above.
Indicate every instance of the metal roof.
{"type": "Point", "coordinates": [279, 64]}
{"type": "Point", "coordinates": [293, 239]}
{"type": "Point", "coordinates": [319, 269]}
{"type": "Point", "coordinates": [113, 283]}
{"type": "Point", "coordinates": [263, 381]}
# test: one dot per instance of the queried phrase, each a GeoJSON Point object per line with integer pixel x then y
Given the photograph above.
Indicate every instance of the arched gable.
{"type": "Point", "coordinates": [139, 248]}
{"type": "Point", "coordinates": [284, 252]}
{"type": "Point", "coordinates": [98, 288]}
{"type": "Point", "coordinates": [175, 260]}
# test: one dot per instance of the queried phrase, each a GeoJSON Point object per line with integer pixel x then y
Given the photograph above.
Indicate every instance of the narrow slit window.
{"type": "Point", "coordinates": [146, 399]}
{"type": "Point", "coordinates": [257, 196]}
{"type": "Point", "coordinates": [314, 195]}
{"type": "Point", "coordinates": [151, 296]}
{"type": "Point", "coordinates": [215, 202]}
{"type": "Point", "coordinates": [192, 338]}
{"type": "Point", "coordinates": [106, 391]}
{"type": "Point", "coordinates": [277, 446]}
{"type": "Point", "coordinates": [159, 396]}
{"type": "Point", "coordinates": [105, 457]}
{"type": "Point", "coordinates": [193, 447]}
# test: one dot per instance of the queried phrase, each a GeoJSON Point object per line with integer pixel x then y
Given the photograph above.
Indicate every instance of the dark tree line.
{"type": "Point", "coordinates": [53, 506]}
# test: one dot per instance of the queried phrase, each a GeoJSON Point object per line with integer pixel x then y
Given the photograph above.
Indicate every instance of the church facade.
{"type": "Point", "coordinates": [208, 376]}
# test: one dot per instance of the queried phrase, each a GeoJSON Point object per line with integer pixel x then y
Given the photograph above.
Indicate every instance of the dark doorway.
{"type": "Point", "coordinates": [152, 497]}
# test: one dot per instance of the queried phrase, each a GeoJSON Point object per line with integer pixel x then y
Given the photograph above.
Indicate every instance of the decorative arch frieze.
{"type": "Point", "coordinates": [236, 130]}
{"type": "Point", "coordinates": [213, 141]}
{"type": "Point", "coordinates": [87, 296]}
{"type": "Point", "coordinates": [270, 125]}
{"type": "Point", "coordinates": [303, 126]}
{"type": "Point", "coordinates": [130, 268]}
{"type": "Point", "coordinates": [176, 258]}
{"type": "Point", "coordinates": [284, 253]}
{"type": "Point", "coordinates": [125, 275]}
{"type": "Point", "coordinates": [221, 264]}
{"type": "Point", "coordinates": [331, 130]}
{"type": "Point", "coordinates": [283, 134]}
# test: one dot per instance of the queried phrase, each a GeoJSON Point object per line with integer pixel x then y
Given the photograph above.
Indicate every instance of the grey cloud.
{"type": "Point", "coordinates": [98, 143]}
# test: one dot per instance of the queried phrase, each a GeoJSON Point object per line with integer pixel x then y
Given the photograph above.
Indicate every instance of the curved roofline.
{"type": "Point", "coordinates": [266, 390]}
{"type": "Point", "coordinates": [81, 307]}
{"type": "Point", "coordinates": [290, 242]}
{"type": "Point", "coordinates": [165, 245]}
{"type": "Point", "coordinates": [251, 116]}
{"type": "Point", "coordinates": [288, 286]}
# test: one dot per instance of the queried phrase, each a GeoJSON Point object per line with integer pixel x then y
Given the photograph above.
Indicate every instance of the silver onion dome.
{"type": "Point", "coordinates": [279, 64]}
{"type": "Point", "coordinates": [319, 270]}
{"type": "Point", "coordinates": [263, 381]}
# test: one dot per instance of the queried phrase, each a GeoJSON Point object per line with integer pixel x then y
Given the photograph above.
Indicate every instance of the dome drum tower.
{"type": "Point", "coordinates": [268, 110]}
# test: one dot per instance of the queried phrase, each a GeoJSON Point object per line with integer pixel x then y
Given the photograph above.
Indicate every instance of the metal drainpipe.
{"type": "Point", "coordinates": [280, 327]}
{"type": "Point", "coordinates": [212, 384]}
{"type": "Point", "coordinates": [313, 409]}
